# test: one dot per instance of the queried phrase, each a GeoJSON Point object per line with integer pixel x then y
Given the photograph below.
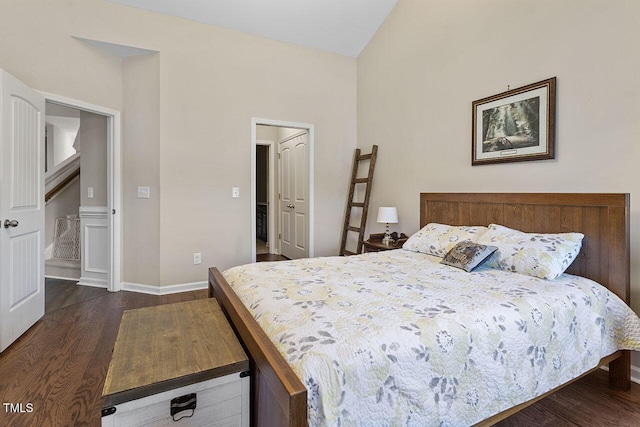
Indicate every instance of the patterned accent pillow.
{"type": "Point", "coordinates": [540, 255]}
{"type": "Point", "coordinates": [438, 239]}
{"type": "Point", "coordinates": [468, 255]}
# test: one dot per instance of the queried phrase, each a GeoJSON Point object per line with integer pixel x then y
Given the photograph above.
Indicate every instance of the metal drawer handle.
{"type": "Point", "coordinates": [10, 223]}
{"type": "Point", "coordinates": [181, 404]}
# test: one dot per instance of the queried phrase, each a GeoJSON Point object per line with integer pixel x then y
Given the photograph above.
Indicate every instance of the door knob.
{"type": "Point", "coordinates": [10, 223]}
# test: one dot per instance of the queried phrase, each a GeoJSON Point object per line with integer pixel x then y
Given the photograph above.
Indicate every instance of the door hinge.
{"type": "Point", "coordinates": [279, 236]}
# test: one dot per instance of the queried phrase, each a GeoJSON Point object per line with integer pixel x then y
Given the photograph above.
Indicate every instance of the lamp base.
{"type": "Point", "coordinates": [387, 240]}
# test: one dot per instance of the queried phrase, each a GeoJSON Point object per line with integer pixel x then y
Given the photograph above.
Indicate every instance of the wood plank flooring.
{"type": "Point", "coordinates": [61, 293]}
{"type": "Point", "coordinates": [270, 257]}
{"type": "Point", "coordinates": [60, 364]}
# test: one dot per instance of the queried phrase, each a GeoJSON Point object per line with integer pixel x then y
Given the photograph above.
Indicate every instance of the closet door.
{"type": "Point", "coordinates": [294, 192]}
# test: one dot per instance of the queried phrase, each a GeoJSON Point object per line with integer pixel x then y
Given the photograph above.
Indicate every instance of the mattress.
{"type": "Point", "coordinates": [396, 338]}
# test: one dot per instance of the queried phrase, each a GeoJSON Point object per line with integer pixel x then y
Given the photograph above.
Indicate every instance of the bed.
{"type": "Point", "coordinates": [279, 396]}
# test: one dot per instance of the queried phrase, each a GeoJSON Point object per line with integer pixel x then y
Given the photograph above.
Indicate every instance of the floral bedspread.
{"type": "Point", "coordinates": [395, 338]}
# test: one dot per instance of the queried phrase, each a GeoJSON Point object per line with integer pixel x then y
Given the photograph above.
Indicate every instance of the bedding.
{"type": "Point", "coordinates": [540, 255]}
{"type": "Point", "coordinates": [396, 338]}
{"type": "Point", "coordinates": [438, 239]}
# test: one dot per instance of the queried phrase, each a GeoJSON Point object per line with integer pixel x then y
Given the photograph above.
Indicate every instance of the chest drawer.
{"type": "Point", "coordinates": [222, 401]}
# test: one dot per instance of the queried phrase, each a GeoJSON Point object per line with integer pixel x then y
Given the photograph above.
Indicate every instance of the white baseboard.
{"type": "Point", "coordinates": [635, 374]}
{"type": "Point", "coordinates": [163, 290]}
{"type": "Point", "coordinates": [85, 281]}
{"type": "Point", "coordinates": [71, 279]}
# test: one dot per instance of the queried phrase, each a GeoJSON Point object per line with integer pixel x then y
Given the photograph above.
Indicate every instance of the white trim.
{"type": "Point", "coordinates": [63, 189]}
{"type": "Point", "coordinates": [88, 245]}
{"type": "Point", "coordinates": [635, 374]}
{"type": "Point", "coordinates": [114, 179]}
{"type": "Point", "coordinates": [48, 276]}
{"type": "Point", "coordinates": [311, 206]}
{"type": "Point", "coordinates": [94, 283]}
{"type": "Point", "coordinates": [98, 212]}
{"type": "Point", "coordinates": [63, 168]}
{"type": "Point", "coordinates": [164, 290]}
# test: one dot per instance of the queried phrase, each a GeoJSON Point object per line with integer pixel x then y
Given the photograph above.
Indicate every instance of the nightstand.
{"type": "Point", "coordinates": [177, 362]}
{"type": "Point", "coordinates": [374, 244]}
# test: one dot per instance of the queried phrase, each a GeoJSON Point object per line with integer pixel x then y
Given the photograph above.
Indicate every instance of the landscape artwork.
{"type": "Point", "coordinates": [511, 126]}
{"type": "Point", "coordinates": [516, 125]}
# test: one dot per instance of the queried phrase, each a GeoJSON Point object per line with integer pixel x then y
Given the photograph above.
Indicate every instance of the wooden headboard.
{"type": "Point", "coordinates": [602, 218]}
{"type": "Point", "coordinates": [279, 397]}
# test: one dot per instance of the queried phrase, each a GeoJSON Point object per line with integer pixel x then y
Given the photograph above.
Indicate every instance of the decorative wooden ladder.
{"type": "Point", "coordinates": [364, 204]}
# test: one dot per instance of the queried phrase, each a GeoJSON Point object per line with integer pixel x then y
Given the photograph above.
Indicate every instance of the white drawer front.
{"type": "Point", "coordinates": [220, 402]}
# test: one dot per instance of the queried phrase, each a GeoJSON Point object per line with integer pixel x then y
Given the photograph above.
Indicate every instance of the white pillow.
{"type": "Point", "coordinates": [438, 239]}
{"type": "Point", "coordinates": [540, 255]}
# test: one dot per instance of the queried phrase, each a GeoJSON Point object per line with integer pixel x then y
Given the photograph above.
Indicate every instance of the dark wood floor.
{"type": "Point", "coordinates": [587, 402]}
{"type": "Point", "coordinates": [61, 293]}
{"type": "Point", "coordinates": [59, 366]}
{"type": "Point", "coordinates": [270, 257]}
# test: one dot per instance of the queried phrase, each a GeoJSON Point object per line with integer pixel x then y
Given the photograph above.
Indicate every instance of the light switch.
{"type": "Point", "coordinates": [235, 192]}
{"type": "Point", "coordinates": [144, 193]}
{"type": "Point", "coordinates": [90, 192]}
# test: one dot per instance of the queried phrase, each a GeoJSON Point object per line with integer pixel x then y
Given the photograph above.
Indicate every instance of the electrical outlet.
{"type": "Point", "coordinates": [235, 192]}
{"type": "Point", "coordinates": [197, 258]}
{"type": "Point", "coordinates": [90, 192]}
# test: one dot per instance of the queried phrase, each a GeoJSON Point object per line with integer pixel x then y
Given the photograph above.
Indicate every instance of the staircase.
{"type": "Point", "coordinates": [65, 252]}
{"type": "Point", "coordinates": [63, 175]}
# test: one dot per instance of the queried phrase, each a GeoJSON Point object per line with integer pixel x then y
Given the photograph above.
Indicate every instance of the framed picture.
{"type": "Point", "coordinates": [516, 125]}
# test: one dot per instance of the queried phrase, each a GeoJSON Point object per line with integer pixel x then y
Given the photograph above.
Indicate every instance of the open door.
{"type": "Point", "coordinates": [294, 219]}
{"type": "Point", "coordinates": [21, 208]}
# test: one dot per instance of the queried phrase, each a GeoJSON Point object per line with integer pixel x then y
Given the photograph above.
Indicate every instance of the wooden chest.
{"type": "Point", "coordinates": [177, 362]}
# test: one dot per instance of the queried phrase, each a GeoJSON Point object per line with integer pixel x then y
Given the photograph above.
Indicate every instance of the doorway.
{"type": "Point", "coordinates": [282, 196]}
{"type": "Point", "coordinates": [100, 222]}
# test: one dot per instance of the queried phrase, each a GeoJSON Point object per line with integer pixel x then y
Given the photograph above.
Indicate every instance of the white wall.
{"type": "Point", "coordinates": [63, 124]}
{"type": "Point", "coordinates": [212, 82]}
{"type": "Point", "coordinates": [431, 59]}
{"type": "Point", "coordinates": [141, 167]}
{"type": "Point", "coordinates": [65, 132]}
{"type": "Point", "coordinates": [93, 158]}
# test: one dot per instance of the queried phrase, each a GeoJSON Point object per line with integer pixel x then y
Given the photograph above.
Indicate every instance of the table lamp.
{"type": "Point", "coordinates": [388, 215]}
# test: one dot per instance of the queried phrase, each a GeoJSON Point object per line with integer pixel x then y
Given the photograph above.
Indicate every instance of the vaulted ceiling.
{"type": "Point", "coordinates": [340, 26]}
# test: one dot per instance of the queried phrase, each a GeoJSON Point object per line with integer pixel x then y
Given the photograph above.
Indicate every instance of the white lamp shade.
{"type": "Point", "coordinates": [387, 215]}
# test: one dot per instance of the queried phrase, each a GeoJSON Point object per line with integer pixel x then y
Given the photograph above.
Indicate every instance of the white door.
{"type": "Point", "coordinates": [294, 197]}
{"type": "Point", "coordinates": [21, 208]}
